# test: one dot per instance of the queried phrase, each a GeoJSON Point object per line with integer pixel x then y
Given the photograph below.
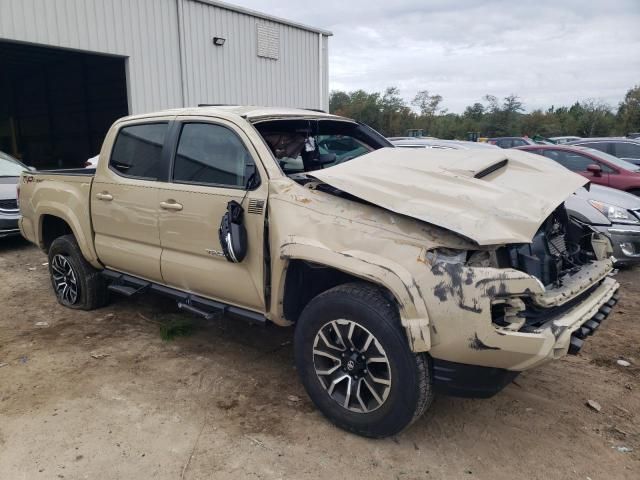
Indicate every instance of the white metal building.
{"type": "Point", "coordinates": [68, 68]}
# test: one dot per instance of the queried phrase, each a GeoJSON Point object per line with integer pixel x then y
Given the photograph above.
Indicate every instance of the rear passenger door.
{"type": "Point", "coordinates": [124, 199]}
{"type": "Point", "coordinates": [211, 165]}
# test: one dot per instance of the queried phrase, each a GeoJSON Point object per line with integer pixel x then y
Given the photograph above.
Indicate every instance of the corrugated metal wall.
{"type": "Point", "coordinates": [147, 33]}
{"type": "Point", "coordinates": [234, 73]}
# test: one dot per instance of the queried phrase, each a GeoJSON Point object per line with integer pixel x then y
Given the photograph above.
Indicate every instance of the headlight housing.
{"type": "Point", "coordinates": [447, 255]}
{"type": "Point", "coordinates": [614, 213]}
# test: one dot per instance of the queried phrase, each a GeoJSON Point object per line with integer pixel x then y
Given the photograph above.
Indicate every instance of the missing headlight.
{"type": "Point", "coordinates": [446, 255]}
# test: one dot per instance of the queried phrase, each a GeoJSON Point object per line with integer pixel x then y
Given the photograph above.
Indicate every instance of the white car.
{"type": "Point", "coordinates": [92, 162]}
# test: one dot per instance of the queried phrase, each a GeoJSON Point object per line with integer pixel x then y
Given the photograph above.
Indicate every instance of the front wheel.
{"type": "Point", "coordinates": [355, 362]}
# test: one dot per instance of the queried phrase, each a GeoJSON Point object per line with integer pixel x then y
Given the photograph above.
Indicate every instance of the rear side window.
{"type": "Point", "coordinates": [211, 154]}
{"type": "Point", "coordinates": [627, 150]}
{"type": "Point", "coordinates": [137, 150]}
{"type": "Point", "coordinates": [602, 146]}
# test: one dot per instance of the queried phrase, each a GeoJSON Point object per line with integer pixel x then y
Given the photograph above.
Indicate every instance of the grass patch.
{"type": "Point", "coordinates": [176, 327]}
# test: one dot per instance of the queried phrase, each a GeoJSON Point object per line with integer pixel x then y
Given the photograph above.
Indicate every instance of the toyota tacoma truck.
{"type": "Point", "coordinates": [404, 272]}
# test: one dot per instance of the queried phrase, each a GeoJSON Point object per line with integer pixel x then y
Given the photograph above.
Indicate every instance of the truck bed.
{"type": "Point", "coordinates": [64, 194]}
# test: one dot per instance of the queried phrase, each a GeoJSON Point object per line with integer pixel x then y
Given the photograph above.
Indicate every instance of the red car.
{"type": "Point", "coordinates": [597, 166]}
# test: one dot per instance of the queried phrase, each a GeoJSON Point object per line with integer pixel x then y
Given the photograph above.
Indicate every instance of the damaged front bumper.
{"type": "Point", "coordinates": [474, 355]}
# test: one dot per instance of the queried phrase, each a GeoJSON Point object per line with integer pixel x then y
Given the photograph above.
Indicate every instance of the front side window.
{"type": "Point", "coordinates": [137, 151]}
{"type": "Point", "coordinates": [573, 161]}
{"type": "Point", "coordinates": [211, 154]}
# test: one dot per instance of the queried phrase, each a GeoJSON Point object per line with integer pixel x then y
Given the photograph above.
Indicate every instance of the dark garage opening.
{"type": "Point", "coordinates": [56, 105]}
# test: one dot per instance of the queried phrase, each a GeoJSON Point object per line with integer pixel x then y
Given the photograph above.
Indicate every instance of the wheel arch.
{"type": "Point", "coordinates": [343, 267]}
{"type": "Point", "coordinates": [54, 222]}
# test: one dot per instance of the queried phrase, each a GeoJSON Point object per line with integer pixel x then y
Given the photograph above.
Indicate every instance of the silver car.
{"type": "Point", "coordinates": [614, 213]}
{"type": "Point", "coordinates": [10, 170]}
{"type": "Point", "coordinates": [565, 139]}
{"type": "Point", "coordinates": [621, 147]}
{"type": "Point", "coordinates": [407, 142]}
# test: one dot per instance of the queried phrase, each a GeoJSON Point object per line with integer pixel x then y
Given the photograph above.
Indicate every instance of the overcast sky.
{"type": "Point", "coordinates": [548, 52]}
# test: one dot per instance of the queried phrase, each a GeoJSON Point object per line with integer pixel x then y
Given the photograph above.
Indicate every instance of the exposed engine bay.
{"type": "Point", "coordinates": [561, 246]}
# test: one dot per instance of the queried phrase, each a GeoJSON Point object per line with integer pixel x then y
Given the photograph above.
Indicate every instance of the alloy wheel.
{"type": "Point", "coordinates": [65, 280]}
{"type": "Point", "coordinates": [352, 366]}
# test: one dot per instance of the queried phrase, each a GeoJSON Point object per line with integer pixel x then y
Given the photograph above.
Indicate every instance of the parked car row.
{"type": "Point", "coordinates": [624, 148]}
{"type": "Point", "coordinates": [618, 207]}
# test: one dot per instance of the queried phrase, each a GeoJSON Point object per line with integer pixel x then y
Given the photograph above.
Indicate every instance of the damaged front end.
{"type": "Point", "coordinates": [526, 304]}
{"type": "Point", "coordinates": [490, 275]}
{"type": "Point", "coordinates": [572, 261]}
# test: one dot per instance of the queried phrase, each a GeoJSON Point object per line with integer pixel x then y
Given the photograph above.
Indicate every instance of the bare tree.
{"type": "Point", "coordinates": [428, 104]}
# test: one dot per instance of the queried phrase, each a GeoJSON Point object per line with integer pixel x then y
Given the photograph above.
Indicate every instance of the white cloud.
{"type": "Point", "coordinates": [548, 52]}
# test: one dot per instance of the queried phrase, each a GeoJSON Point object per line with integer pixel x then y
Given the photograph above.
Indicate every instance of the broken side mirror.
{"type": "Point", "coordinates": [595, 169]}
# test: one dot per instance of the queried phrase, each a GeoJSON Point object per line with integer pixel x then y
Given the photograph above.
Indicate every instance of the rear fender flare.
{"type": "Point", "coordinates": [65, 213]}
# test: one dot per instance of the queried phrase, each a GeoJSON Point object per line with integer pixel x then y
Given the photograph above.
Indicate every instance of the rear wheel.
{"type": "Point", "coordinates": [75, 282]}
{"type": "Point", "coordinates": [355, 362]}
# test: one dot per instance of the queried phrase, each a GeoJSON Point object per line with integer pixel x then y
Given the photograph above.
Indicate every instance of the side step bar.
{"type": "Point", "coordinates": [125, 284]}
{"type": "Point", "coordinates": [129, 286]}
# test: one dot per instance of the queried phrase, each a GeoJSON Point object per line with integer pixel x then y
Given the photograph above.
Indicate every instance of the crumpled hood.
{"type": "Point", "coordinates": [490, 196]}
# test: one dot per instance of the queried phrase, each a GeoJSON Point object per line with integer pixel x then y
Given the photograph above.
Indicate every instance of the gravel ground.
{"type": "Point", "coordinates": [100, 395]}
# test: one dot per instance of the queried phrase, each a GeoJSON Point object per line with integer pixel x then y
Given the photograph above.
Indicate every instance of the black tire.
{"type": "Point", "coordinates": [410, 392]}
{"type": "Point", "coordinates": [91, 290]}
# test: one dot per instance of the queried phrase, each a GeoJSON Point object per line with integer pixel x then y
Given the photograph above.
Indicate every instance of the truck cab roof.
{"type": "Point", "coordinates": [251, 113]}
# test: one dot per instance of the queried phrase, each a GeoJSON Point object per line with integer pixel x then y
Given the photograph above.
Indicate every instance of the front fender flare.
{"type": "Point", "coordinates": [413, 312]}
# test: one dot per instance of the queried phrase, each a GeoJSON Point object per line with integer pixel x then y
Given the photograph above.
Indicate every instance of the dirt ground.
{"type": "Point", "coordinates": [100, 395]}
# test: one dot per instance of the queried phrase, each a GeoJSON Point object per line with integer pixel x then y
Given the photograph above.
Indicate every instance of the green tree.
{"type": "Point", "coordinates": [389, 113]}
{"type": "Point", "coordinates": [628, 115]}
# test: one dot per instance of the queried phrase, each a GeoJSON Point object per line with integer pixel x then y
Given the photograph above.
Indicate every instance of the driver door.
{"type": "Point", "coordinates": [211, 164]}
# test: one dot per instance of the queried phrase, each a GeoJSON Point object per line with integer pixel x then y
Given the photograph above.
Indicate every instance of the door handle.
{"type": "Point", "coordinates": [107, 197]}
{"type": "Point", "coordinates": [171, 205]}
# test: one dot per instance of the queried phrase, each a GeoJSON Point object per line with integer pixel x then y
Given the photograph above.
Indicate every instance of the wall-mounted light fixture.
{"type": "Point", "coordinates": [219, 41]}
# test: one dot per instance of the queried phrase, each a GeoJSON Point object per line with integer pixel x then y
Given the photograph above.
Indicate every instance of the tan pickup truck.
{"type": "Point", "coordinates": [404, 271]}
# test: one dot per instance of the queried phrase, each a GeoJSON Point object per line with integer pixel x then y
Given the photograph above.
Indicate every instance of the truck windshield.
{"type": "Point", "coordinates": [302, 145]}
